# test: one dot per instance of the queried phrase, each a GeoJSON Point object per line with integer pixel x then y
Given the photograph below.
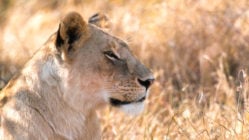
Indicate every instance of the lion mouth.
{"type": "Point", "coordinates": [117, 102]}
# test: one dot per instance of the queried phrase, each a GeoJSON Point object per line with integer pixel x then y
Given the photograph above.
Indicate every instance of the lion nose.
{"type": "Point", "coordinates": [146, 83]}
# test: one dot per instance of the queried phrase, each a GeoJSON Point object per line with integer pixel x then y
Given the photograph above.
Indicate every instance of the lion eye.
{"type": "Point", "coordinates": [111, 55]}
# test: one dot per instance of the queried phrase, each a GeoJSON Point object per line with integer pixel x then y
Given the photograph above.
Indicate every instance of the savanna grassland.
{"type": "Point", "coordinates": [197, 49]}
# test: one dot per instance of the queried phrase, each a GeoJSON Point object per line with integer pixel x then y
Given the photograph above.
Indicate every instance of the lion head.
{"type": "Point", "coordinates": [99, 68]}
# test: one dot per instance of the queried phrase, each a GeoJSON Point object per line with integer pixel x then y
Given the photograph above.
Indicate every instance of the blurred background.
{"type": "Point", "coordinates": [197, 49]}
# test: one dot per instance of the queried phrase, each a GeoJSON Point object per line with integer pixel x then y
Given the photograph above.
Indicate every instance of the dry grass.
{"type": "Point", "coordinates": [195, 48]}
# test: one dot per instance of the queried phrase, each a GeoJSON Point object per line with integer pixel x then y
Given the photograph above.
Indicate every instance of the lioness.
{"type": "Point", "coordinates": [79, 69]}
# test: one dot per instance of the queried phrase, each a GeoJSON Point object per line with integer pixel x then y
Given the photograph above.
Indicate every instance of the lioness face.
{"type": "Point", "coordinates": [101, 66]}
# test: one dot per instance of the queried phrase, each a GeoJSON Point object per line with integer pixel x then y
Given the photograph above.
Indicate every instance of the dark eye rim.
{"type": "Point", "coordinates": [110, 54]}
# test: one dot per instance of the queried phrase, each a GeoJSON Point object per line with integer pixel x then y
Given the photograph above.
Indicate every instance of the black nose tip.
{"type": "Point", "coordinates": [147, 83]}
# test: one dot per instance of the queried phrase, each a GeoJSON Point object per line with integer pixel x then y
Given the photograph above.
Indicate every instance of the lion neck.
{"type": "Point", "coordinates": [63, 118]}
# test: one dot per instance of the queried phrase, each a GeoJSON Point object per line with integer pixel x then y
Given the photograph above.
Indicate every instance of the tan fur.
{"type": "Point", "coordinates": [57, 92]}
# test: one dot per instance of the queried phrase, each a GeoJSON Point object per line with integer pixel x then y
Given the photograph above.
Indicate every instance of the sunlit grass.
{"type": "Point", "coordinates": [195, 49]}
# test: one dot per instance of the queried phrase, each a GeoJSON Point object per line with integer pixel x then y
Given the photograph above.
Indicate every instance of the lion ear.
{"type": "Point", "coordinates": [100, 20]}
{"type": "Point", "coordinates": [71, 29]}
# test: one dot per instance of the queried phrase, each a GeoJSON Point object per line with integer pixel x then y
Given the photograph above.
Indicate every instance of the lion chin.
{"type": "Point", "coordinates": [130, 107]}
{"type": "Point", "coordinates": [133, 108]}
